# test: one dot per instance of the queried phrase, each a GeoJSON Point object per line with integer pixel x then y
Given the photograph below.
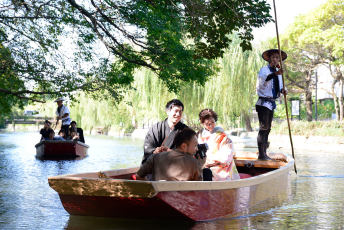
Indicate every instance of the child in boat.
{"type": "Point", "coordinates": [79, 131]}
{"type": "Point", "coordinates": [220, 153]}
{"type": "Point", "coordinates": [53, 137]}
{"type": "Point", "coordinates": [176, 165]}
{"type": "Point", "coordinates": [73, 136]}
{"type": "Point", "coordinates": [62, 134]}
{"type": "Point", "coordinates": [44, 130]}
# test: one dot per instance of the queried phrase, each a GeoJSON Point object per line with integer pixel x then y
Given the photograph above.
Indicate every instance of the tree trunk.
{"type": "Point", "coordinates": [340, 100]}
{"type": "Point", "coordinates": [308, 102]}
{"type": "Point", "coordinates": [335, 99]}
{"type": "Point", "coordinates": [247, 122]}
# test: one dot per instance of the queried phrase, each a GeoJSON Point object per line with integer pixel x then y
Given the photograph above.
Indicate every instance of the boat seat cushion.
{"type": "Point", "coordinates": [244, 175]}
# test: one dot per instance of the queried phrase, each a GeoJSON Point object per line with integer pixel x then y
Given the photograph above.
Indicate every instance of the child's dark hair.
{"type": "Point", "coordinates": [62, 131]}
{"type": "Point", "coordinates": [174, 102]}
{"type": "Point", "coordinates": [185, 135]}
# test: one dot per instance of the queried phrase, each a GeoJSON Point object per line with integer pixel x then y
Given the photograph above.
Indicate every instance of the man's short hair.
{"type": "Point", "coordinates": [174, 102]}
{"type": "Point", "coordinates": [48, 122]}
{"type": "Point", "coordinates": [73, 122]}
{"type": "Point", "coordinates": [184, 136]}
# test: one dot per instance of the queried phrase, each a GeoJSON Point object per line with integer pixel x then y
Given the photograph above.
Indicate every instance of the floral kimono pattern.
{"type": "Point", "coordinates": [220, 150]}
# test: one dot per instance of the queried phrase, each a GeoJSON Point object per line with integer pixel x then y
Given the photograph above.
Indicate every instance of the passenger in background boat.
{"type": "Point", "coordinates": [73, 136]}
{"type": "Point", "coordinates": [78, 130]}
{"type": "Point", "coordinates": [62, 134]}
{"type": "Point", "coordinates": [62, 113]}
{"type": "Point", "coordinates": [161, 135]}
{"type": "Point", "coordinates": [269, 87]}
{"type": "Point", "coordinates": [220, 148]}
{"type": "Point", "coordinates": [44, 130]}
{"type": "Point", "coordinates": [175, 165]}
{"type": "Point", "coordinates": [53, 137]}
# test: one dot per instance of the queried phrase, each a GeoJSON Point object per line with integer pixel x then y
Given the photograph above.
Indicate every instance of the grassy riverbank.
{"type": "Point", "coordinates": [305, 128]}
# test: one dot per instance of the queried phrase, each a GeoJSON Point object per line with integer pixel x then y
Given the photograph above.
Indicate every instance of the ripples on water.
{"type": "Point", "coordinates": [315, 200]}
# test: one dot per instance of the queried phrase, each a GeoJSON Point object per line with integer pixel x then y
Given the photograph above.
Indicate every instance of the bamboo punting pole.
{"type": "Point", "coordinates": [285, 95]}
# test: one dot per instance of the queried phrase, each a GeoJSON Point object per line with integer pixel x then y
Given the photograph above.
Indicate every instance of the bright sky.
{"type": "Point", "coordinates": [286, 12]}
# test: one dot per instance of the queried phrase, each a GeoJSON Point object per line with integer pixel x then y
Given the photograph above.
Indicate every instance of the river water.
{"type": "Point", "coordinates": [316, 199]}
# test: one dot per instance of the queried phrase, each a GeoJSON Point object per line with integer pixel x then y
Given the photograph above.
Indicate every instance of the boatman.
{"type": "Point", "coordinates": [161, 135]}
{"type": "Point", "coordinates": [269, 87]}
{"type": "Point", "coordinates": [62, 113]}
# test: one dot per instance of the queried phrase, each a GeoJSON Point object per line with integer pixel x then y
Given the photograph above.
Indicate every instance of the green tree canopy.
{"type": "Point", "coordinates": [175, 39]}
{"type": "Point", "coordinates": [8, 79]}
{"type": "Point", "coordinates": [230, 93]}
{"type": "Point", "coordinates": [317, 38]}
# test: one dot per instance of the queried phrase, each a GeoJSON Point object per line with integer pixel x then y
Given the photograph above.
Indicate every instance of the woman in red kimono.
{"type": "Point", "coordinates": [220, 148]}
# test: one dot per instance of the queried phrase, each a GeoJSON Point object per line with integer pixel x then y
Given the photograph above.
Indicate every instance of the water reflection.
{"type": "Point", "coordinates": [315, 199]}
{"type": "Point", "coordinates": [83, 222]}
{"type": "Point", "coordinates": [26, 200]}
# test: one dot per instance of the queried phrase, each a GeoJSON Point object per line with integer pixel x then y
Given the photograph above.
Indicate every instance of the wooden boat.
{"type": "Point", "coordinates": [61, 149]}
{"type": "Point", "coordinates": [114, 194]}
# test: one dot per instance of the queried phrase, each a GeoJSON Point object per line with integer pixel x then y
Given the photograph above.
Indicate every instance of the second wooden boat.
{"type": "Point", "coordinates": [61, 149]}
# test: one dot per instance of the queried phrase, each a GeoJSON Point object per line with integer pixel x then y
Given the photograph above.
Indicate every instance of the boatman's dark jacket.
{"type": "Point", "coordinates": [156, 137]}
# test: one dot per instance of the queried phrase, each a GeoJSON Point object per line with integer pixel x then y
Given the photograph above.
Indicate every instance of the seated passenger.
{"type": "Point", "coordinates": [78, 130]}
{"type": "Point", "coordinates": [73, 136]}
{"type": "Point", "coordinates": [62, 134]}
{"type": "Point", "coordinates": [161, 135]}
{"type": "Point", "coordinates": [220, 148]}
{"type": "Point", "coordinates": [44, 130]}
{"type": "Point", "coordinates": [53, 137]}
{"type": "Point", "coordinates": [176, 165]}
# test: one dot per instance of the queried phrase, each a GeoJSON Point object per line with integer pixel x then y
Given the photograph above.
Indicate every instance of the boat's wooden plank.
{"type": "Point", "coordinates": [245, 156]}
{"type": "Point", "coordinates": [259, 163]}
{"type": "Point", "coordinates": [107, 173]}
{"type": "Point", "coordinates": [101, 187]}
{"type": "Point", "coordinates": [252, 156]}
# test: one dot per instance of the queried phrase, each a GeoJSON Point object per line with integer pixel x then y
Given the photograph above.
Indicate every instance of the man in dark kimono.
{"type": "Point", "coordinates": [161, 135]}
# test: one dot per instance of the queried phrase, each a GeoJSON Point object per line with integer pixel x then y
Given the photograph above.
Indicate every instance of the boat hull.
{"type": "Point", "coordinates": [196, 201]}
{"type": "Point", "coordinates": [192, 205]}
{"type": "Point", "coordinates": [118, 207]}
{"type": "Point", "coordinates": [61, 149]}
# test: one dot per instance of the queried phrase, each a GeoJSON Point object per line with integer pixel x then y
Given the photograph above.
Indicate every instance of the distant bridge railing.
{"type": "Point", "coordinates": [27, 120]}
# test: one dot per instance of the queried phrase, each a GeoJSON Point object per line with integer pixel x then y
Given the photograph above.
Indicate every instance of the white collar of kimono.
{"type": "Point", "coordinates": [215, 130]}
